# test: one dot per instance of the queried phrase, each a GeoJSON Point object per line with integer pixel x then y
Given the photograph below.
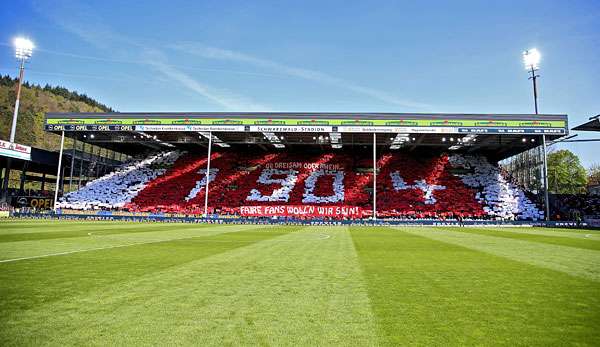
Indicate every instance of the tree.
{"type": "Point", "coordinates": [594, 175]}
{"type": "Point", "coordinates": [565, 173]}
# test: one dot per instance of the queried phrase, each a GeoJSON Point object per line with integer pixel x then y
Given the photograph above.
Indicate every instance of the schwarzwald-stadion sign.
{"type": "Point", "coordinates": [355, 124]}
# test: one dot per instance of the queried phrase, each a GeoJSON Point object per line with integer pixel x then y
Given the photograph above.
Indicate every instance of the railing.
{"type": "Point", "coordinates": [251, 220]}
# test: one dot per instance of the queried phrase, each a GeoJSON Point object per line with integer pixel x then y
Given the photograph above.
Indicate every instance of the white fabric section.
{"type": "Point", "coordinates": [427, 189]}
{"type": "Point", "coordinates": [201, 183]}
{"type": "Point", "coordinates": [282, 194]}
{"type": "Point", "coordinates": [117, 188]}
{"type": "Point", "coordinates": [503, 199]}
{"type": "Point", "coordinates": [398, 182]}
{"type": "Point", "coordinates": [338, 187]}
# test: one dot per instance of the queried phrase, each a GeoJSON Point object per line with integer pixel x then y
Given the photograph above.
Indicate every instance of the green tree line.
{"type": "Point", "coordinates": [8, 81]}
{"type": "Point", "coordinates": [35, 102]}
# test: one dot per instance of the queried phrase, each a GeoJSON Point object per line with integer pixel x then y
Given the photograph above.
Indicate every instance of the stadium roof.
{"type": "Point", "coordinates": [498, 135]}
{"type": "Point", "coordinates": [44, 161]}
{"type": "Point", "coordinates": [331, 118]}
{"type": "Point", "coordinates": [592, 125]}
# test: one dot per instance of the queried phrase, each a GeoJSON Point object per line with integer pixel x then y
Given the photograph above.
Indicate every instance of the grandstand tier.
{"type": "Point", "coordinates": [309, 185]}
{"type": "Point", "coordinates": [309, 165]}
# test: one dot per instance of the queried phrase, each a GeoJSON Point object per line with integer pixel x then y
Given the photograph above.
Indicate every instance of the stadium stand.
{"type": "Point", "coordinates": [503, 199]}
{"type": "Point", "coordinates": [117, 188]}
{"type": "Point", "coordinates": [408, 186]}
{"type": "Point", "coordinates": [571, 206]}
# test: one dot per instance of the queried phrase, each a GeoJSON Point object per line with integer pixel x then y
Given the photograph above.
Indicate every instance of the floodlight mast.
{"type": "Point", "coordinates": [531, 59]}
{"type": "Point", "coordinates": [23, 50]}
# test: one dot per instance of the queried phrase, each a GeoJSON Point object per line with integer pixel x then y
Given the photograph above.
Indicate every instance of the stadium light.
{"type": "Point", "coordinates": [213, 138]}
{"type": "Point", "coordinates": [23, 48]}
{"type": "Point", "coordinates": [531, 59]}
{"type": "Point", "coordinates": [335, 139]}
{"type": "Point", "coordinates": [399, 140]}
{"type": "Point", "coordinates": [276, 141]}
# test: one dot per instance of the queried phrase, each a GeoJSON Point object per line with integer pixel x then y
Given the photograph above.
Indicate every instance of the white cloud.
{"type": "Point", "coordinates": [311, 75]}
{"type": "Point", "coordinates": [228, 100]}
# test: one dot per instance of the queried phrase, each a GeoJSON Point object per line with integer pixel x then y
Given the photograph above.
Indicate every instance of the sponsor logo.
{"type": "Point", "coordinates": [33, 202]}
{"type": "Point", "coordinates": [357, 122]}
{"type": "Point", "coordinates": [186, 121]}
{"type": "Point", "coordinates": [71, 121]}
{"type": "Point", "coordinates": [15, 150]}
{"type": "Point", "coordinates": [536, 123]}
{"type": "Point", "coordinates": [227, 121]}
{"type": "Point", "coordinates": [313, 122]}
{"type": "Point", "coordinates": [488, 123]}
{"type": "Point", "coordinates": [402, 122]}
{"type": "Point", "coordinates": [445, 123]}
{"type": "Point", "coordinates": [269, 122]}
{"type": "Point", "coordinates": [15, 147]}
{"type": "Point", "coordinates": [147, 121]}
{"type": "Point", "coordinates": [108, 121]}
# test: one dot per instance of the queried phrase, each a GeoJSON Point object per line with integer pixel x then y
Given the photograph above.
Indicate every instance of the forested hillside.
{"type": "Point", "coordinates": [35, 101]}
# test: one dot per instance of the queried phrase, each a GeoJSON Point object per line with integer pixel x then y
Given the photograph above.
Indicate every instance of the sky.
{"type": "Point", "coordinates": [316, 56]}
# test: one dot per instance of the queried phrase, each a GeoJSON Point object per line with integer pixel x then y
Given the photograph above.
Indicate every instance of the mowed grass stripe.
{"type": "Point", "coordinates": [431, 293]}
{"type": "Point", "coordinates": [297, 289]}
{"type": "Point", "coordinates": [37, 248]}
{"type": "Point", "coordinates": [581, 242]}
{"type": "Point", "coordinates": [584, 263]}
{"type": "Point", "coordinates": [68, 231]}
{"type": "Point", "coordinates": [23, 226]}
{"type": "Point", "coordinates": [26, 284]}
{"type": "Point", "coordinates": [586, 234]}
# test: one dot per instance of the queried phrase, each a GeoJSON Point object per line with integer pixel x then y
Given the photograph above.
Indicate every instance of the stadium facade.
{"type": "Point", "coordinates": [310, 165]}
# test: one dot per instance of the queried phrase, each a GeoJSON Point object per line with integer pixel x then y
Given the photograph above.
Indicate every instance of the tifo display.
{"type": "Point", "coordinates": [304, 185]}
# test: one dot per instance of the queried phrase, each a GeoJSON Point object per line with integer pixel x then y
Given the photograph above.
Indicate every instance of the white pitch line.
{"type": "Point", "coordinates": [101, 248]}
{"type": "Point", "coordinates": [139, 243]}
{"type": "Point", "coordinates": [88, 250]}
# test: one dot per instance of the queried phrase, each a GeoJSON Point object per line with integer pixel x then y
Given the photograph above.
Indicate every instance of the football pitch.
{"type": "Point", "coordinates": [115, 283]}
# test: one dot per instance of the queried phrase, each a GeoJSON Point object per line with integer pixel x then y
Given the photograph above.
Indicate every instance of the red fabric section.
{"type": "Point", "coordinates": [238, 174]}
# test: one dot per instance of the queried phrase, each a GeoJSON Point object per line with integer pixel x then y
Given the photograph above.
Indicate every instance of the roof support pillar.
{"type": "Point", "coordinates": [72, 164]}
{"type": "Point", "coordinates": [57, 185]}
{"type": "Point", "coordinates": [207, 174]}
{"type": "Point", "coordinates": [374, 176]}
{"type": "Point", "coordinates": [81, 165]}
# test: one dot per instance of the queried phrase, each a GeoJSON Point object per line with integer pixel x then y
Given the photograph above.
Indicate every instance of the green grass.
{"type": "Point", "coordinates": [108, 283]}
